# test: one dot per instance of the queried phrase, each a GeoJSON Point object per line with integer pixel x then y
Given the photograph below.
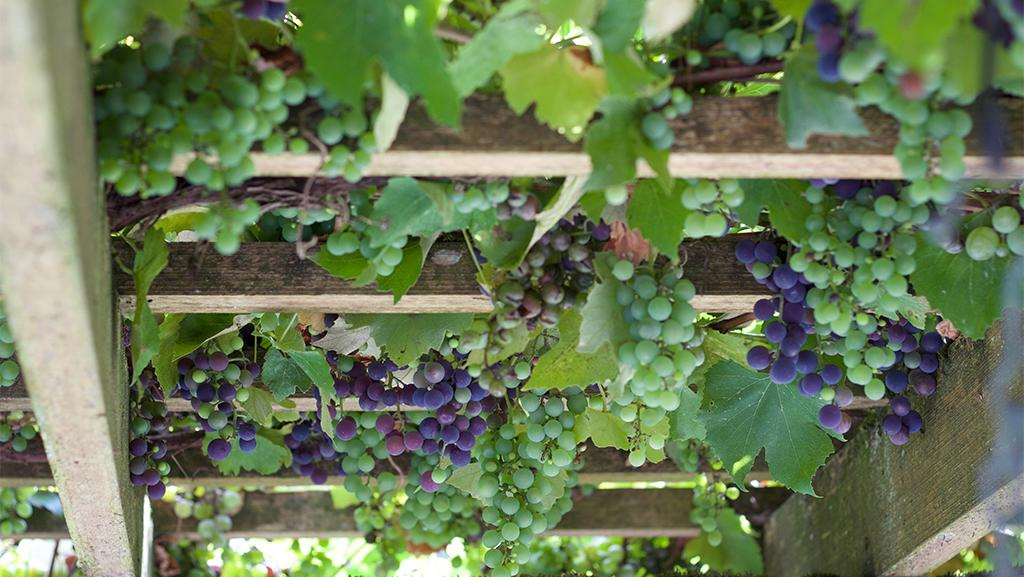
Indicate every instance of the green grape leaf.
{"type": "Point", "coordinates": [685, 421]}
{"type": "Point", "coordinates": [604, 429]}
{"type": "Point", "coordinates": [259, 406]}
{"type": "Point", "coordinates": [563, 366]}
{"type": "Point", "coordinates": [394, 103]}
{"type": "Point", "coordinates": [505, 245]}
{"type": "Point", "coordinates": [342, 498]}
{"type": "Point", "coordinates": [945, 279]}
{"type": "Point", "coordinates": [512, 31]}
{"type": "Point", "coordinates": [406, 337]}
{"type": "Point", "coordinates": [557, 12]}
{"type": "Point", "coordinates": [738, 552]}
{"type": "Point", "coordinates": [518, 339]}
{"type": "Point", "coordinates": [565, 88]}
{"type": "Point", "coordinates": [106, 22]}
{"type": "Point", "coordinates": [745, 412]}
{"type": "Point", "coordinates": [618, 23]}
{"type": "Point", "coordinates": [795, 9]}
{"type": "Point", "coordinates": [404, 209]}
{"type": "Point", "coordinates": [556, 492]}
{"type": "Point", "coordinates": [602, 315]}
{"type": "Point", "coordinates": [269, 456]}
{"type": "Point", "coordinates": [283, 375]}
{"type": "Point", "coordinates": [663, 17]}
{"type": "Point", "coordinates": [627, 75]}
{"type": "Point", "coordinates": [347, 266]}
{"type": "Point", "coordinates": [342, 41]}
{"type": "Point", "coordinates": [787, 208]}
{"type": "Point", "coordinates": [809, 105]}
{"type": "Point", "coordinates": [914, 32]}
{"type": "Point", "coordinates": [593, 205]}
{"type": "Point", "coordinates": [563, 202]}
{"type": "Point", "coordinates": [467, 479]}
{"type": "Point", "coordinates": [164, 364]}
{"type": "Point", "coordinates": [145, 338]}
{"type": "Point", "coordinates": [659, 215]}
{"type": "Point", "coordinates": [615, 143]}
{"type": "Point", "coordinates": [314, 365]}
{"type": "Point", "coordinates": [181, 334]}
{"type": "Point", "coordinates": [406, 274]}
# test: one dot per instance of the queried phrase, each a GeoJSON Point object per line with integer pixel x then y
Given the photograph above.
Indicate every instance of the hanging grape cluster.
{"type": "Point", "coordinates": [17, 428]}
{"type": "Point", "coordinates": [9, 368]}
{"type": "Point", "coordinates": [148, 466]}
{"type": "Point", "coordinates": [15, 509]}
{"type": "Point", "coordinates": [212, 508]}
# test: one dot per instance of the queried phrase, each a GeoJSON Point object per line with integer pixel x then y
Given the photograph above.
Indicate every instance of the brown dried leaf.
{"type": "Point", "coordinates": [627, 243]}
{"type": "Point", "coordinates": [313, 321]}
{"type": "Point", "coordinates": [947, 330]}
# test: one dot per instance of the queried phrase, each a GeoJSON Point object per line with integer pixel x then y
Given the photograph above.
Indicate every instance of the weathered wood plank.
{"type": "Point", "coordinates": [56, 280]}
{"type": "Point", "coordinates": [264, 277]}
{"type": "Point", "coordinates": [889, 510]}
{"type": "Point", "coordinates": [607, 513]}
{"type": "Point", "coordinates": [720, 138]}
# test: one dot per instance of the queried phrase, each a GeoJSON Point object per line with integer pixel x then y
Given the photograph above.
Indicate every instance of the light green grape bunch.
{"type": "Point", "coordinates": [15, 509]}
{"type": "Point", "coordinates": [710, 497]}
{"type": "Point", "coordinates": [529, 468]}
{"type": "Point", "coordinates": [17, 428]}
{"type": "Point", "coordinates": [711, 203]}
{"type": "Point", "coordinates": [9, 368]}
{"type": "Point", "coordinates": [751, 30]}
{"type": "Point", "coordinates": [996, 233]}
{"type": "Point", "coordinates": [211, 507]}
{"type": "Point", "coordinates": [662, 348]}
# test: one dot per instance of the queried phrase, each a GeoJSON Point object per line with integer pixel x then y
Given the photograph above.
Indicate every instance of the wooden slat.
{"type": "Point", "coordinates": [264, 277]}
{"type": "Point", "coordinates": [191, 468]}
{"type": "Point", "coordinates": [56, 280]}
{"type": "Point", "coordinates": [606, 513]}
{"type": "Point", "coordinates": [895, 511]}
{"type": "Point", "coordinates": [720, 138]}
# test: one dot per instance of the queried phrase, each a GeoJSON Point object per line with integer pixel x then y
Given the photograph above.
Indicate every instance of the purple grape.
{"type": "Point", "coordinates": [301, 431]}
{"type": "Point", "coordinates": [206, 393]}
{"type": "Point", "coordinates": [385, 423]}
{"type": "Point", "coordinates": [775, 332]}
{"type": "Point", "coordinates": [811, 385]}
{"type": "Point", "coordinates": [395, 444]}
{"type": "Point", "coordinates": [807, 362]}
{"type": "Point", "coordinates": [931, 342]}
{"type": "Point", "coordinates": [477, 426]}
{"type": "Point", "coordinates": [764, 309]}
{"type": "Point", "coordinates": [473, 408]}
{"type": "Point", "coordinates": [226, 392]}
{"type": "Point", "coordinates": [913, 421]}
{"type": "Point", "coordinates": [844, 396]}
{"type": "Point", "coordinates": [433, 373]}
{"type": "Point", "coordinates": [783, 371]}
{"type": "Point", "coordinates": [924, 384]}
{"type": "Point", "coordinates": [342, 388]}
{"type": "Point", "coordinates": [430, 447]}
{"type": "Point", "coordinates": [138, 465]}
{"type": "Point", "coordinates": [346, 429]}
{"type": "Point", "coordinates": [389, 398]}
{"type": "Point", "coordinates": [828, 67]}
{"type": "Point", "coordinates": [929, 362]}
{"type": "Point", "coordinates": [831, 374]}
{"type": "Point", "coordinates": [327, 449]}
{"type": "Point", "coordinates": [275, 10]}
{"type": "Point", "coordinates": [462, 378]}
{"type": "Point", "coordinates": [900, 406]}
{"type": "Point", "coordinates": [897, 334]}
{"type": "Point", "coordinates": [202, 361]}
{"type": "Point", "coordinates": [156, 490]}
{"type": "Point", "coordinates": [303, 456]}
{"type": "Point", "coordinates": [478, 392]}
{"type": "Point", "coordinates": [413, 440]}
{"type": "Point", "coordinates": [150, 477]}
{"type": "Point", "coordinates": [821, 13]}
{"type": "Point", "coordinates": [446, 415]}
{"type": "Point", "coordinates": [291, 442]}
{"type": "Point", "coordinates": [247, 445]}
{"type": "Point", "coordinates": [891, 424]}
{"type": "Point", "coordinates": [433, 399]}
{"type": "Point", "coordinates": [460, 458]}
{"type": "Point", "coordinates": [896, 381]}
{"type": "Point", "coordinates": [759, 358]}
{"type": "Point", "coordinates": [465, 441]}
{"type": "Point", "coordinates": [745, 251]}
{"type": "Point", "coordinates": [367, 404]}
{"type": "Point", "coordinates": [790, 346]}
{"type": "Point", "coordinates": [765, 252]}
{"type": "Point", "coordinates": [429, 428]}
{"type": "Point", "coordinates": [828, 40]}
{"type": "Point", "coordinates": [909, 345]}
{"type": "Point", "coordinates": [246, 431]}
{"type": "Point", "coordinates": [254, 9]}
{"type": "Point", "coordinates": [218, 361]}
{"type": "Point", "coordinates": [160, 450]}
{"type": "Point", "coordinates": [375, 391]}
{"type": "Point", "coordinates": [830, 416]}
{"type": "Point", "coordinates": [185, 365]}
{"type": "Point", "coordinates": [845, 422]}
{"type": "Point", "coordinates": [138, 447]}
{"type": "Point", "coordinates": [784, 277]}
{"type": "Point", "coordinates": [462, 422]}
{"type": "Point", "coordinates": [427, 482]}
{"type": "Point", "coordinates": [797, 294]}
{"type": "Point", "coordinates": [449, 434]}
{"type": "Point", "coordinates": [900, 437]}
{"type": "Point", "coordinates": [318, 476]}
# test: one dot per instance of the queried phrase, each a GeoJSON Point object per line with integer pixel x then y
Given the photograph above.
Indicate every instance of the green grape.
{"type": "Point", "coordinates": [981, 243]}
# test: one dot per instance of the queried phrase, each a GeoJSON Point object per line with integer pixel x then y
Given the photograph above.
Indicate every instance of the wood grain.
{"type": "Point", "coordinates": [901, 511]}
{"type": "Point", "coordinates": [720, 138]}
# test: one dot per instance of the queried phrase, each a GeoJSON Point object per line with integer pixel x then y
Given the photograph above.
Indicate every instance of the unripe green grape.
{"type": "Point", "coordinates": [981, 243]}
{"type": "Point", "coordinates": [616, 195]}
{"type": "Point", "coordinates": [1015, 241]}
{"type": "Point", "coordinates": [1005, 219]}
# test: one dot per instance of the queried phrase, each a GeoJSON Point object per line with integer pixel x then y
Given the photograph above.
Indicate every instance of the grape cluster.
{"type": "Point", "coordinates": [661, 108]}
{"type": "Point", "coordinates": [434, 516]}
{"type": "Point", "coordinates": [158, 101]}
{"type": "Point", "coordinates": [528, 466]}
{"type": "Point", "coordinates": [15, 509]}
{"type": "Point", "coordinates": [269, 9]}
{"type": "Point", "coordinates": [662, 347]}
{"type": "Point", "coordinates": [212, 508]}
{"type": "Point", "coordinates": [710, 497]}
{"type": "Point", "coordinates": [711, 204]}
{"type": "Point", "coordinates": [9, 368]}
{"type": "Point", "coordinates": [17, 428]}
{"type": "Point", "coordinates": [224, 223]}
{"type": "Point", "coordinates": [999, 234]}
{"type": "Point", "coordinates": [212, 378]}
{"type": "Point", "coordinates": [148, 466]}
{"type": "Point", "coordinates": [750, 29]}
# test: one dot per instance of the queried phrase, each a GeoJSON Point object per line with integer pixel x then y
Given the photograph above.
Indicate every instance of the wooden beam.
{"type": "Point", "coordinates": [606, 513]}
{"type": "Point", "coordinates": [721, 138]}
{"type": "Point", "coordinates": [264, 277]}
{"type": "Point", "coordinates": [56, 280]}
{"type": "Point", "coordinates": [901, 511]}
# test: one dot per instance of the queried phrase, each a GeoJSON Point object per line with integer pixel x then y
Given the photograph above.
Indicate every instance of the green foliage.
{"type": "Point", "coordinates": [269, 456]}
{"type": "Point", "coordinates": [564, 366]}
{"type": "Point", "coordinates": [397, 36]}
{"type": "Point", "coordinates": [738, 551]}
{"type": "Point", "coordinates": [618, 23]}
{"type": "Point", "coordinates": [809, 105]}
{"type": "Point", "coordinates": [615, 144]}
{"type": "Point", "coordinates": [915, 33]}
{"type": "Point", "coordinates": [787, 209]}
{"type": "Point", "coordinates": [283, 375]}
{"type": "Point", "coordinates": [658, 215]}
{"type": "Point", "coordinates": [602, 315]}
{"type": "Point", "coordinates": [506, 245]}
{"type": "Point", "coordinates": [145, 332]}
{"type": "Point", "coordinates": [604, 429]}
{"type": "Point", "coordinates": [108, 21]}
{"type": "Point", "coordinates": [406, 337]}
{"type": "Point", "coordinates": [745, 412]}
{"type": "Point", "coordinates": [512, 31]}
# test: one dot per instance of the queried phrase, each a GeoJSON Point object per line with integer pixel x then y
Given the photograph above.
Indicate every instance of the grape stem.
{"type": "Point", "coordinates": [728, 73]}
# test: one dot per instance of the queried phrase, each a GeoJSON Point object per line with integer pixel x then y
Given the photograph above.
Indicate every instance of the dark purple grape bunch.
{"type": "Point", "coordinates": [825, 21]}
{"type": "Point", "coordinates": [313, 452]}
{"type": "Point", "coordinates": [557, 272]}
{"type": "Point", "coordinates": [269, 9]}
{"type": "Point", "coordinates": [147, 466]}
{"type": "Point", "coordinates": [212, 381]}
{"type": "Point", "coordinates": [914, 372]}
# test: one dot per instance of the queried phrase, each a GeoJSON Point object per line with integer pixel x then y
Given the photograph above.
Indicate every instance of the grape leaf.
{"type": "Point", "coordinates": [394, 102]}
{"type": "Point", "coordinates": [406, 274]}
{"type": "Point", "coordinates": [627, 75]}
{"type": "Point", "coordinates": [164, 364]}
{"type": "Point", "coordinates": [795, 9]}
{"type": "Point", "coordinates": [787, 208]}
{"type": "Point", "coordinates": [744, 412]}
{"type": "Point", "coordinates": [563, 202]}
{"type": "Point", "coordinates": [269, 456]}
{"type": "Point", "coordinates": [283, 376]}
{"type": "Point", "coordinates": [663, 17]}
{"type": "Point", "coordinates": [467, 479]}
{"type": "Point", "coordinates": [259, 406]}
{"type": "Point", "coordinates": [557, 12]}
{"type": "Point", "coordinates": [347, 266]}
{"type": "Point", "coordinates": [406, 337]}
{"type": "Point", "coordinates": [342, 498]}
{"type": "Point", "coordinates": [809, 105]}
{"type": "Point", "coordinates": [944, 279]}
{"type": "Point", "coordinates": [615, 143]}
{"type": "Point", "coordinates": [685, 420]}
{"type": "Point", "coordinates": [342, 40]}
{"type": "Point", "coordinates": [404, 209]}
{"type": "Point", "coordinates": [604, 429]}
{"type": "Point", "coordinates": [314, 365]}
{"type": "Point", "coordinates": [738, 552]}
{"type": "Point", "coordinates": [342, 338]}
{"type": "Point", "coordinates": [145, 338]}
{"type": "Point", "coordinates": [602, 314]}
{"type": "Point", "coordinates": [505, 245]}
{"type": "Point", "coordinates": [915, 32]}
{"type": "Point", "coordinates": [659, 215]}
{"type": "Point", "coordinates": [181, 334]}
{"type": "Point", "coordinates": [566, 88]}
{"type": "Point", "coordinates": [618, 23]}
{"type": "Point", "coordinates": [564, 366]}
{"type": "Point", "coordinates": [512, 31]}
{"type": "Point", "coordinates": [108, 21]}
{"type": "Point", "coordinates": [518, 338]}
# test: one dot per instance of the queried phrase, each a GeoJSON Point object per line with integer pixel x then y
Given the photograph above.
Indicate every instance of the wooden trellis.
{"type": "Point", "coordinates": [62, 301]}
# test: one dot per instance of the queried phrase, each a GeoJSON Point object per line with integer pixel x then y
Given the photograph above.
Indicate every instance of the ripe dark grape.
{"type": "Point", "coordinates": [218, 449]}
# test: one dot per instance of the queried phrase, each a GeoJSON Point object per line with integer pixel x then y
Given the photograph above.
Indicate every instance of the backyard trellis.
{"type": "Point", "coordinates": [59, 286]}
